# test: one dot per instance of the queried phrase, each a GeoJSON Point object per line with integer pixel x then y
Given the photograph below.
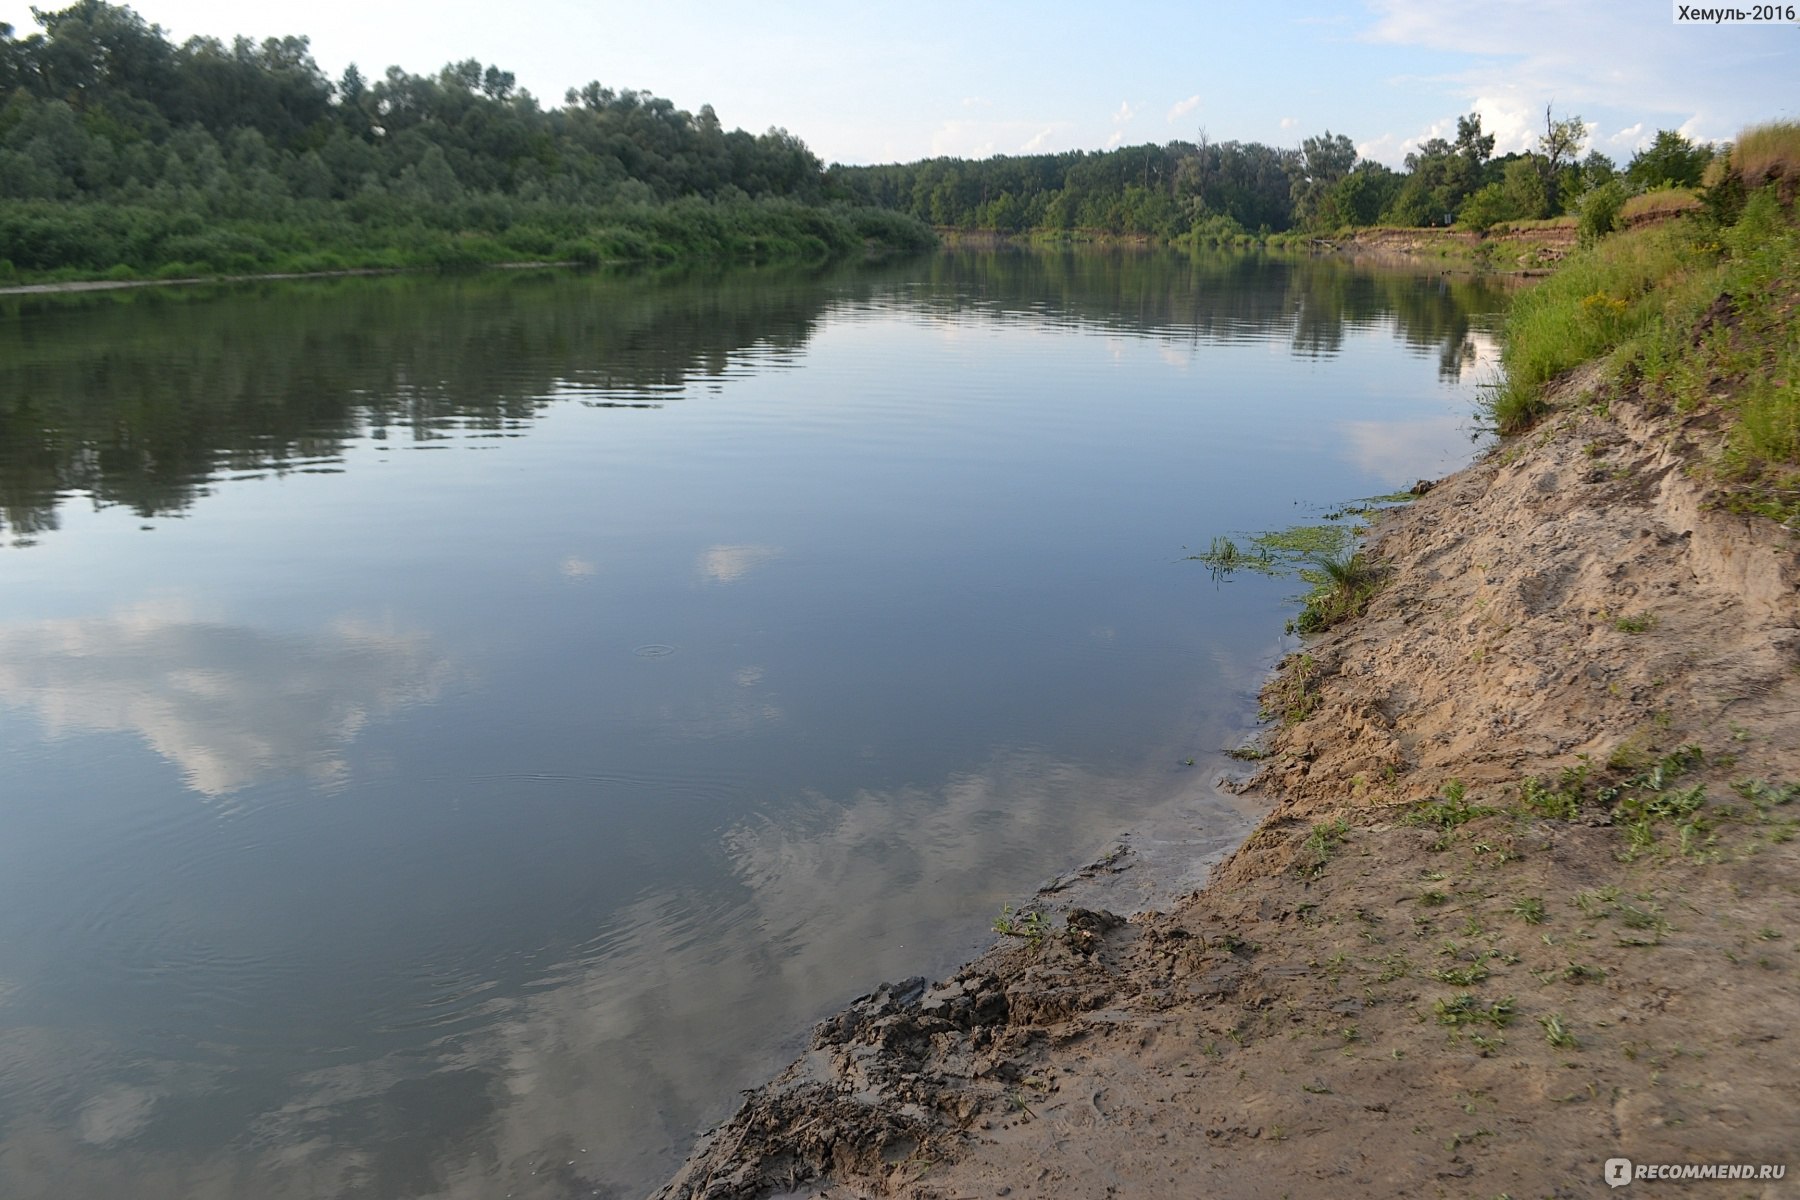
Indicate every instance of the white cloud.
{"type": "Point", "coordinates": [1629, 138]}
{"type": "Point", "coordinates": [1515, 125]}
{"type": "Point", "coordinates": [727, 564]}
{"type": "Point", "coordinates": [1290, 122]}
{"type": "Point", "coordinates": [959, 138]}
{"type": "Point", "coordinates": [1183, 108]}
{"type": "Point", "coordinates": [1114, 140]}
{"type": "Point", "coordinates": [1124, 113]}
{"type": "Point", "coordinates": [1398, 452]}
{"type": "Point", "coordinates": [1384, 149]}
{"type": "Point", "coordinates": [227, 704]}
{"type": "Point", "coordinates": [115, 1114]}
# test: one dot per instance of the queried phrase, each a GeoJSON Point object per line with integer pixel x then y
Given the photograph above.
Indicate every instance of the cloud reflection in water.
{"type": "Point", "coordinates": [227, 704]}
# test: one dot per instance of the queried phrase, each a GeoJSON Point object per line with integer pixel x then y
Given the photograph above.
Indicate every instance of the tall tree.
{"type": "Point", "coordinates": [1671, 160]}
{"type": "Point", "coordinates": [1559, 146]}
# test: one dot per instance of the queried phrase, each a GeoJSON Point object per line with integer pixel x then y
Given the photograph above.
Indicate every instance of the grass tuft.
{"type": "Point", "coordinates": [1341, 588]}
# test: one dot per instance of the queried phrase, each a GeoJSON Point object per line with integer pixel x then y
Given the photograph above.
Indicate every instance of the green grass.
{"type": "Point", "coordinates": [1601, 298]}
{"type": "Point", "coordinates": [1556, 1032]}
{"type": "Point", "coordinates": [1030, 925]}
{"type": "Point", "coordinates": [1342, 586]}
{"type": "Point", "coordinates": [1341, 578]}
{"type": "Point", "coordinates": [1293, 696]}
{"type": "Point", "coordinates": [1529, 909]}
{"type": "Point", "coordinates": [1699, 315]}
{"type": "Point", "coordinates": [1449, 812]}
{"type": "Point", "coordinates": [1319, 847]}
{"type": "Point", "coordinates": [1225, 556]}
{"type": "Point", "coordinates": [1464, 1010]}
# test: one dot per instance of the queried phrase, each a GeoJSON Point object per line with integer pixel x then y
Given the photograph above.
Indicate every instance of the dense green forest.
{"type": "Point", "coordinates": [1225, 191]}
{"type": "Point", "coordinates": [123, 153]}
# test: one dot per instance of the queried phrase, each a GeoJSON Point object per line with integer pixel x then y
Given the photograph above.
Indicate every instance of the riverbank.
{"type": "Point", "coordinates": [93, 243]}
{"type": "Point", "coordinates": [1524, 900]}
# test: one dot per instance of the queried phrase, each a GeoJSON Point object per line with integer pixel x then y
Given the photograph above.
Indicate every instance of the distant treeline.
{"type": "Point", "coordinates": [122, 152]}
{"type": "Point", "coordinates": [1225, 191]}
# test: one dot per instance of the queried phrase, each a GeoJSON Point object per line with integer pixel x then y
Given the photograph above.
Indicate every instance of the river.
{"type": "Point", "coordinates": [456, 731]}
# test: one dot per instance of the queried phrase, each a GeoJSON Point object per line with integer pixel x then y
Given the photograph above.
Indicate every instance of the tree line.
{"type": "Point", "coordinates": [122, 150]}
{"type": "Point", "coordinates": [1224, 191]}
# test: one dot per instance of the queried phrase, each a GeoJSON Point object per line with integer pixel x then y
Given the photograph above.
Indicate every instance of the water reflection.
{"type": "Point", "coordinates": [227, 704]}
{"type": "Point", "coordinates": [729, 690]}
{"type": "Point", "coordinates": [1399, 453]}
{"type": "Point", "coordinates": [147, 398]}
{"type": "Point", "coordinates": [574, 1084]}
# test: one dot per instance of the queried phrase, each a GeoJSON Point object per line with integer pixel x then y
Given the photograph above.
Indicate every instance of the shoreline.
{"type": "Point", "coordinates": [1441, 962]}
{"type": "Point", "coordinates": [72, 286]}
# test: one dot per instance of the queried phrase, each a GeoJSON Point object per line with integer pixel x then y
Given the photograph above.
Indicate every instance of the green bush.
{"type": "Point", "coordinates": [1598, 211]}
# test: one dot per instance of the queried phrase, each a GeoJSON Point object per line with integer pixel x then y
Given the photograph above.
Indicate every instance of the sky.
{"type": "Point", "coordinates": [882, 82]}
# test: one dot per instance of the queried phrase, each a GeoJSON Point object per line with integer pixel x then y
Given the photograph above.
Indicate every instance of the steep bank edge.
{"type": "Point", "coordinates": [1381, 993]}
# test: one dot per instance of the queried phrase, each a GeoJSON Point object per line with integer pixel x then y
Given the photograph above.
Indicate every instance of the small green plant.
{"type": "Point", "coordinates": [1597, 902]}
{"type": "Point", "coordinates": [1466, 975]}
{"type": "Point", "coordinates": [1641, 623]}
{"type": "Point", "coordinates": [1464, 1009]}
{"type": "Point", "coordinates": [1433, 899]}
{"type": "Point", "coordinates": [1224, 557]}
{"type": "Point", "coordinates": [1647, 917]}
{"type": "Point", "coordinates": [1448, 813]}
{"type": "Point", "coordinates": [1316, 851]}
{"type": "Point", "coordinates": [1556, 1032]}
{"type": "Point", "coordinates": [1529, 909]}
{"type": "Point", "coordinates": [1030, 924]}
{"type": "Point", "coordinates": [1293, 696]}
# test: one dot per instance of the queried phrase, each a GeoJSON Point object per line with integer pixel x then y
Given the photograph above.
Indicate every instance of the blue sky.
{"type": "Point", "coordinates": [879, 82]}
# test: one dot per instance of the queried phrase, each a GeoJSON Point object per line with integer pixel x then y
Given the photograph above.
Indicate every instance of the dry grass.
{"type": "Point", "coordinates": [1663, 202]}
{"type": "Point", "coordinates": [1562, 222]}
{"type": "Point", "coordinates": [1767, 152]}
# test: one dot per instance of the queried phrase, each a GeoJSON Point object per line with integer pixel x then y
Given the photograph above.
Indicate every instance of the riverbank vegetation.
{"type": "Point", "coordinates": [1228, 193]}
{"type": "Point", "coordinates": [1697, 316]}
{"type": "Point", "coordinates": [127, 156]}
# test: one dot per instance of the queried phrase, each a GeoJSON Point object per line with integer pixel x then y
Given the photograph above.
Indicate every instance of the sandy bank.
{"type": "Point", "coordinates": [1527, 899]}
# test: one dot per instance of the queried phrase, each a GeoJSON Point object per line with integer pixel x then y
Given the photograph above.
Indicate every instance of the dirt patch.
{"type": "Point", "coordinates": [1528, 898]}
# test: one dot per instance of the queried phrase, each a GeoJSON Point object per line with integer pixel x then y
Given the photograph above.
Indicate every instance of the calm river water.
{"type": "Point", "coordinates": [454, 732]}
